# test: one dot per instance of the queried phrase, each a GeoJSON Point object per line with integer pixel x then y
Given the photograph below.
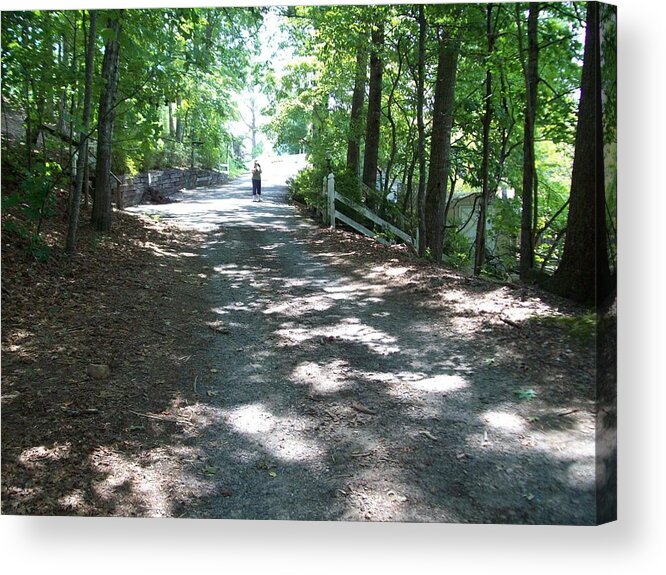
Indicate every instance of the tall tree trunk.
{"type": "Point", "coordinates": [61, 126]}
{"type": "Point", "coordinates": [180, 131]}
{"type": "Point", "coordinates": [440, 144]}
{"type": "Point", "coordinates": [172, 124]}
{"type": "Point", "coordinates": [82, 158]}
{"type": "Point", "coordinates": [389, 116]}
{"type": "Point", "coordinates": [373, 124]}
{"type": "Point", "coordinates": [531, 81]}
{"type": "Point", "coordinates": [101, 211]}
{"type": "Point", "coordinates": [356, 118]}
{"type": "Point", "coordinates": [584, 271]}
{"type": "Point", "coordinates": [420, 97]}
{"type": "Point", "coordinates": [480, 241]}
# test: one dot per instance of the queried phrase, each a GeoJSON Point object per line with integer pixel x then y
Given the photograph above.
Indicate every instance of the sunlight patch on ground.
{"type": "Point", "coordinates": [501, 302]}
{"type": "Point", "coordinates": [503, 421]}
{"type": "Point", "coordinates": [349, 330]}
{"type": "Point", "coordinates": [566, 445]}
{"type": "Point", "coordinates": [581, 474]}
{"type": "Point", "coordinates": [144, 484]}
{"type": "Point", "coordinates": [235, 271]}
{"type": "Point", "coordinates": [281, 437]}
{"type": "Point", "coordinates": [36, 457]}
{"type": "Point", "coordinates": [353, 290]}
{"type": "Point", "coordinates": [443, 383]}
{"type": "Point", "coordinates": [387, 270]}
{"type": "Point", "coordinates": [454, 296]}
{"type": "Point", "coordinates": [322, 379]}
{"type": "Point", "coordinates": [158, 251]}
{"type": "Point", "coordinates": [295, 307]}
{"type": "Point", "coordinates": [75, 501]}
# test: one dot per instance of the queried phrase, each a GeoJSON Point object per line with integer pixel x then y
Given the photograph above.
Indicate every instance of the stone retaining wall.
{"type": "Point", "coordinates": [166, 182]}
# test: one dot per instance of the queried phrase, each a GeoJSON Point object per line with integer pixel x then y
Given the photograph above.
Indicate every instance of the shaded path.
{"type": "Point", "coordinates": [328, 388]}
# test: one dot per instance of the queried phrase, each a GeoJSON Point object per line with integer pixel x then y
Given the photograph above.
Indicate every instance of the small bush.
{"type": "Point", "coordinates": [457, 248]}
{"type": "Point", "coordinates": [307, 187]}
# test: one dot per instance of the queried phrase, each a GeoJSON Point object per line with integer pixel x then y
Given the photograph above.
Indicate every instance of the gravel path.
{"type": "Point", "coordinates": [332, 385]}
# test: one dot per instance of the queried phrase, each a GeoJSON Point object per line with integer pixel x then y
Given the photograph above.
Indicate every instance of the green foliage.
{"type": "Point", "coordinates": [581, 327]}
{"type": "Point", "coordinates": [348, 185]}
{"type": "Point", "coordinates": [457, 248]}
{"type": "Point", "coordinates": [175, 154]}
{"type": "Point", "coordinates": [40, 250]}
{"type": "Point", "coordinates": [525, 394]}
{"type": "Point", "coordinates": [35, 201]}
{"type": "Point", "coordinates": [307, 187]}
{"type": "Point", "coordinates": [195, 57]}
{"type": "Point", "coordinates": [502, 246]}
{"type": "Point", "coordinates": [292, 105]}
{"type": "Point", "coordinates": [181, 69]}
{"type": "Point", "coordinates": [387, 235]}
{"type": "Point", "coordinates": [36, 193]}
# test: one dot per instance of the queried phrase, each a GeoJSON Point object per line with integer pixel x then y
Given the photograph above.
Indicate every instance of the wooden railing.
{"type": "Point", "coordinates": [331, 214]}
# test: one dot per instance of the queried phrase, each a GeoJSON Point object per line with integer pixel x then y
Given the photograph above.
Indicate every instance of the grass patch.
{"type": "Point", "coordinates": [581, 327]}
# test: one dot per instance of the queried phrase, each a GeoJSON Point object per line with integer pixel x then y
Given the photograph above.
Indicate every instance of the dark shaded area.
{"type": "Point", "coordinates": [606, 425]}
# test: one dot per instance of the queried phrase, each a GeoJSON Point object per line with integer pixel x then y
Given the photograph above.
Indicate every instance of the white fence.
{"type": "Point", "coordinates": [331, 214]}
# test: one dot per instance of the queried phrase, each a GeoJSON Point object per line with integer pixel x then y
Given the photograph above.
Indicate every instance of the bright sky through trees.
{"type": "Point", "coordinates": [276, 53]}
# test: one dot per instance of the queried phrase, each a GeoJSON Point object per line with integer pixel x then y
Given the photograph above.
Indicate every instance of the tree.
{"type": "Point", "coordinates": [531, 86]}
{"type": "Point", "coordinates": [101, 212]}
{"type": "Point", "coordinates": [584, 272]}
{"type": "Point", "coordinates": [486, 188]}
{"type": "Point", "coordinates": [373, 123]}
{"type": "Point", "coordinates": [440, 142]}
{"type": "Point", "coordinates": [356, 115]}
{"type": "Point", "coordinates": [82, 157]}
{"type": "Point", "coordinates": [421, 145]}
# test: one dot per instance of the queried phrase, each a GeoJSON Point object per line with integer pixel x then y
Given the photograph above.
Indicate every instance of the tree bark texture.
{"type": "Point", "coordinates": [584, 271]}
{"type": "Point", "coordinates": [531, 80]}
{"type": "Point", "coordinates": [440, 144]}
{"type": "Point", "coordinates": [172, 125]}
{"type": "Point", "coordinates": [82, 158]}
{"type": "Point", "coordinates": [180, 128]}
{"type": "Point", "coordinates": [480, 253]}
{"type": "Point", "coordinates": [356, 118]}
{"type": "Point", "coordinates": [421, 146]}
{"type": "Point", "coordinates": [373, 123]}
{"type": "Point", "coordinates": [101, 210]}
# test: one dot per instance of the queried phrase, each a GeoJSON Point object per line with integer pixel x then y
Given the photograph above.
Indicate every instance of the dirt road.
{"type": "Point", "coordinates": [337, 380]}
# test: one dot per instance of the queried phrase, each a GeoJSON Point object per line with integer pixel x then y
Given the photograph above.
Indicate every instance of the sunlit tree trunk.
{"type": "Point", "coordinates": [486, 190]}
{"type": "Point", "coordinates": [101, 211]}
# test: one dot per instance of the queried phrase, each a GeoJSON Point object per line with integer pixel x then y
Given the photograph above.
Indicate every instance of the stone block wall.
{"type": "Point", "coordinates": [167, 182]}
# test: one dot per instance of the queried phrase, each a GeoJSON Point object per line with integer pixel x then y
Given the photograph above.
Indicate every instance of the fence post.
{"type": "Point", "coordinates": [331, 199]}
{"type": "Point", "coordinates": [324, 192]}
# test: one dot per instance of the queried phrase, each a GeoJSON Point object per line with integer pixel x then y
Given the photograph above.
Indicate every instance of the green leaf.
{"type": "Point", "coordinates": [525, 394]}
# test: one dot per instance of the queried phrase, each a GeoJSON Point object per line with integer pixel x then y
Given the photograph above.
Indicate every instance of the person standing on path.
{"type": "Point", "coordinates": [256, 182]}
